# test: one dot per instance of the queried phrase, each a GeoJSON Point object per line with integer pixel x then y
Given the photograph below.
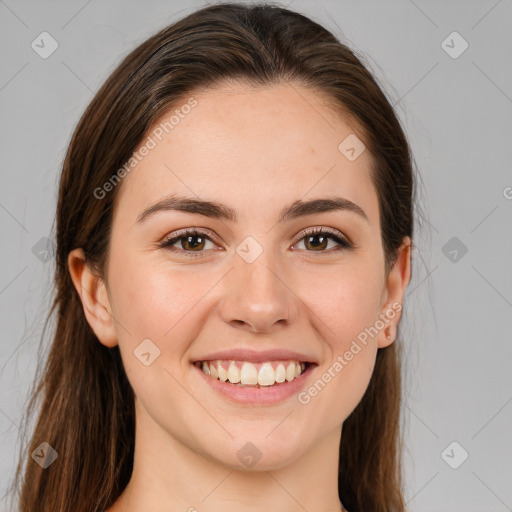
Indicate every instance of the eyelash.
{"type": "Point", "coordinates": [169, 242]}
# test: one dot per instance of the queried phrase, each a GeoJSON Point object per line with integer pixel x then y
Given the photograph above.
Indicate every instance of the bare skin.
{"type": "Point", "coordinates": [256, 151]}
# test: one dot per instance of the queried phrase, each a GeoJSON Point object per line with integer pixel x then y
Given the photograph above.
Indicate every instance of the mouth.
{"type": "Point", "coordinates": [246, 374]}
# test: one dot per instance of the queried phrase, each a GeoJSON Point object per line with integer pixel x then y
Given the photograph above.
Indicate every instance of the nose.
{"type": "Point", "coordinates": [257, 297]}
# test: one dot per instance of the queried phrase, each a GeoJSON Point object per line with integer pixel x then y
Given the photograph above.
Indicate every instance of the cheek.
{"type": "Point", "coordinates": [156, 302]}
{"type": "Point", "coordinates": [346, 303]}
{"type": "Point", "coordinates": [346, 300]}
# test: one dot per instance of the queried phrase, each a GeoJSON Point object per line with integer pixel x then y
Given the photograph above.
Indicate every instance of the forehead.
{"type": "Point", "coordinates": [252, 148]}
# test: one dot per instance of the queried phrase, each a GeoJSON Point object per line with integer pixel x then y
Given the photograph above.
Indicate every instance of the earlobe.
{"type": "Point", "coordinates": [93, 295]}
{"type": "Point", "coordinates": [396, 283]}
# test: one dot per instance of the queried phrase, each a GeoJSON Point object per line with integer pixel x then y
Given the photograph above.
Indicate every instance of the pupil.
{"type": "Point", "coordinates": [189, 238]}
{"type": "Point", "coordinates": [312, 237]}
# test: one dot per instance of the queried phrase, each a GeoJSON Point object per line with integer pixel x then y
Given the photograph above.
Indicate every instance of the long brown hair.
{"type": "Point", "coordinates": [86, 403]}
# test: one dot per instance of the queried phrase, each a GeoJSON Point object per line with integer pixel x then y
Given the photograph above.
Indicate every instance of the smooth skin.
{"type": "Point", "coordinates": [255, 150]}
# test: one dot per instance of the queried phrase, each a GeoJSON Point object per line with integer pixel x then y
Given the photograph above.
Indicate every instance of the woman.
{"type": "Point", "coordinates": [234, 235]}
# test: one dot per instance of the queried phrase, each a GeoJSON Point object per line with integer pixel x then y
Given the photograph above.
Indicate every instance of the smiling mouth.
{"type": "Point", "coordinates": [251, 375]}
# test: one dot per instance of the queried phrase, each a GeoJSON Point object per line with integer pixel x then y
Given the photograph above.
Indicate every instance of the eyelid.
{"type": "Point", "coordinates": [188, 231]}
{"type": "Point", "coordinates": [324, 229]}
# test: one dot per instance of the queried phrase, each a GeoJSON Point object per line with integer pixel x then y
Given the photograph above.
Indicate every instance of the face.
{"type": "Point", "coordinates": [255, 282]}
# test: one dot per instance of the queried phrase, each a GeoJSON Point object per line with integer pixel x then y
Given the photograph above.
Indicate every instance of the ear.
{"type": "Point", "coordinates": [396, 283]}
{"type": "Point", "coordinates": [94, 297]}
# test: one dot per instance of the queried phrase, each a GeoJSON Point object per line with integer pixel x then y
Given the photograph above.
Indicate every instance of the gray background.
{"type": "Point", "coordinates": [458, 117]}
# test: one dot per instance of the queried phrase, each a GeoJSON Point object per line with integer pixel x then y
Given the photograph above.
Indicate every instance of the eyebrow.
{"type": "Point", "coordinates": [217, 210]}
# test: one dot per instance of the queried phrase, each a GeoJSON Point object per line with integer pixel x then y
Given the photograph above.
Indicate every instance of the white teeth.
{"type": "Point", "coordinates": [249, 375]}
{"type": "Point", "coordinates": [290, 372]}
{"type": "Point", "coordinates": [280, 373]}
{"type": "Point", "coordinates": [266, 375]}
{"type": "Point", "coordinates": [233, 373]}
{"type": "Point", "coordinates": [223, 374]}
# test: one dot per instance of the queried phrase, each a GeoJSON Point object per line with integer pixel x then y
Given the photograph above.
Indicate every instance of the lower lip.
{"type": "Point", "coordinates": [265, 395]}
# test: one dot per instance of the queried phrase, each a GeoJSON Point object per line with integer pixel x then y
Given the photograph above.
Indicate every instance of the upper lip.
{"type": "Point", "coordinates": [254, 356]}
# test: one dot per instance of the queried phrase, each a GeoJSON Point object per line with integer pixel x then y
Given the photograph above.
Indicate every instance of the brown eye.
{"type": "Point", "coordinates": [191, 241]}
{"type": "Point", "coordinates": [317, 240]}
